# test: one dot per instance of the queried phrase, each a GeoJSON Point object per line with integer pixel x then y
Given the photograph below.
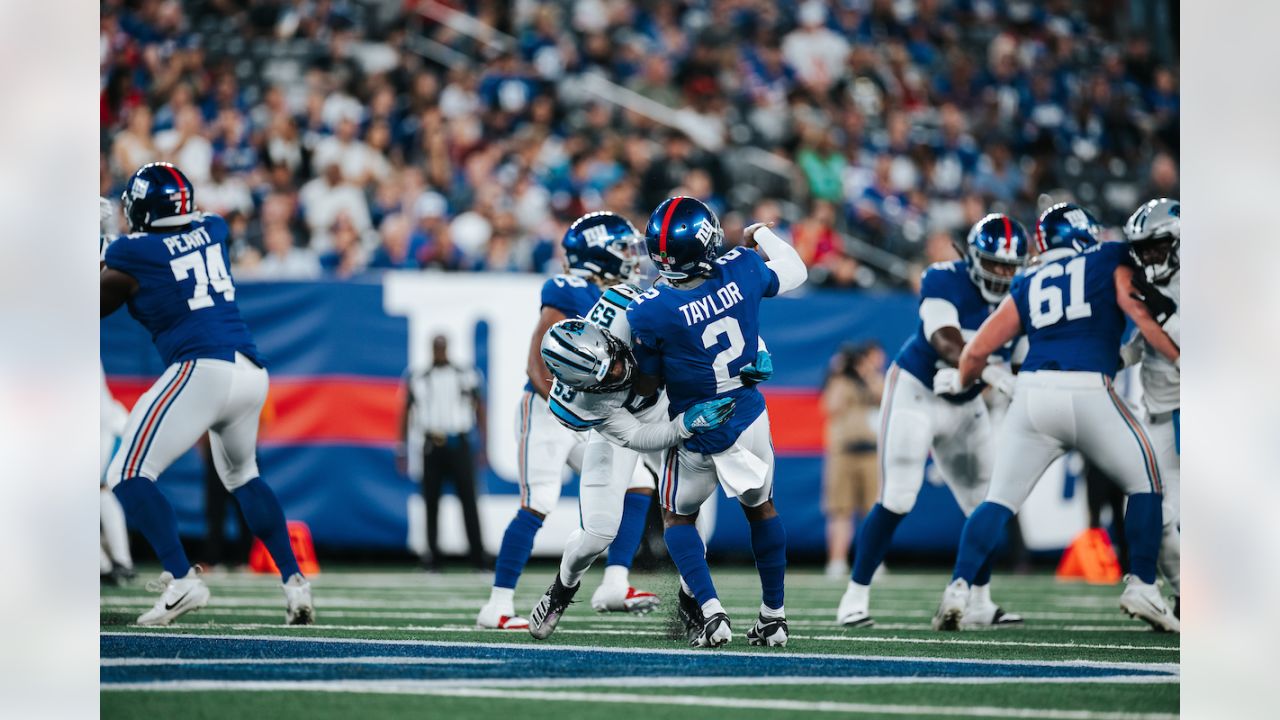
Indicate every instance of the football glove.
{"type": "Point", "coordinates": [759, 371]}
{"type": "Point", "coordinates": [999, 378]}
{"type": "Point", "coordinates": [709, 415]}
{"type": "Point", "coordinates": [1161, 306]}
{"type": "Point", "coordinates": [947, 382]}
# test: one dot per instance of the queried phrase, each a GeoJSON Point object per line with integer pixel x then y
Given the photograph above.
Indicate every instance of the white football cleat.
{"type": "Point", "coordinates": [954, 601]}
{"type": "Point", "coordinates": [769, 632]}
{"type": "Point", "coordinates": [177, 597]}
{"type": "Point", "coordinates": [623, 598]}
{"type": "Point", "coordinates": [715, 632]}
{"type": "Point", "coordinates": [987, 615]}
{"type": "Point", "coordinates": [298, 609]}
{"type": "Point", "coordinates": [853, 611]}
{"type": "Point", "coordinates": [492, 617]}
{"type": "Point", "coordinates": [1143, 601]}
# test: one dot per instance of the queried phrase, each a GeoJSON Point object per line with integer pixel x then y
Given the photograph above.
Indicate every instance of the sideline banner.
{"type": "Point", "coordinates": [336, 352]}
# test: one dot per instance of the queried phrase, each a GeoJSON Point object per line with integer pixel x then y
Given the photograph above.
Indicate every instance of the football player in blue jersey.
{"type": "Point", "coordinates": [925, 410]}
{"type": "Point", "coordinates": [1072, 307]}
{"type": "Point", "coordinates": [696, 335]}
{"type": "Point", "coordinates": [601, 249]}
{"type": "Point", "coordinates": [171, 270]}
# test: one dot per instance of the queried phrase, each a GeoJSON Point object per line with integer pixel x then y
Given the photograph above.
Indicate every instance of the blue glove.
{"type": "Point", "coordinates": [758, 371]}
{"type": "Point", "coordinates": [709, 415]}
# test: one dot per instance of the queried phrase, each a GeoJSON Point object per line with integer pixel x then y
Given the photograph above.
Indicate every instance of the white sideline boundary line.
{"type": "Point", "coordinates": [647, 699]}
{"type": "Point", "coordinates": [360, 660]}
{"type": "Point", "coordinates": [1171, 668]}
{"type": "Point", "coordinates": [582, 631]}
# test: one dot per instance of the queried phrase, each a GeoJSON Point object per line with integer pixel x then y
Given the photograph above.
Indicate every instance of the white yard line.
{"type": "Point", "coordinates": [375, 660]}
{"type": "Point", "coordinates": [833, 638]}
{"type": "Point", "coordinates": [567, 696]}
{"type": "Point", "coordinates": [551, 647]}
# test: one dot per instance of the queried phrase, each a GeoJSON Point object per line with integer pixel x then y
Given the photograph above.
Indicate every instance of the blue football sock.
{"type": "Point", "coordinates": [873, 542]}
{"type": "Point", "coordinates": [690, 556]}
{"type": "Point", "coordinates": [265, 518]}
{"type": "Point", "coordinates": [635, 511]}
{"type": "Point", "coordinates": [149, 510]}
{"type": "Point", "coordinates": [1143, 525]}
{"type": "Point", "coordinates": [983, 576]}
{"type": "Point", "coordinates": [517, 544]}
{"type": "Point", "coordinates": [769, 545]}
{"type": "Point", "coordinates": [980, 535]}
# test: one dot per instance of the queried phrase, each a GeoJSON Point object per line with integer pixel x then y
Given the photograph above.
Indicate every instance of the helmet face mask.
{"type": "Point", "coordinates": [587, 357]}
{"type": "Point", "coordinates": [1154, 233]}
{"type": "Point", "coordinates": [995, 251]}
{"type": "Point", "coordinates": [604, 247]}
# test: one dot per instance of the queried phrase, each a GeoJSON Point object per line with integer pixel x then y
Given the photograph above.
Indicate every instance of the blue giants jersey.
{"type": "Point", "coordinates": [569, 294]}
{"type": "Point", "coordinates": [186, 298]}
{"type": "Point", "coordinates": [947, 281]}
{"type": "Point", "coordinates": [1068, 310]}
{"type": "Point", "coordinates": [698, 340]}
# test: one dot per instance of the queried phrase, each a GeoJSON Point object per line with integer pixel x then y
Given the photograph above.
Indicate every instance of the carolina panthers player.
{"type": "Point", "coordinates": [592, 393]}
{"type": "Point", "coordinates": [1072, 307]}
{"type": "Point", "coordinates": [172, 272]}
{"type": "Point", "coordinates": [601, 249]}
{"type": "Point", "coordinates": [1154, 233]}
{"type": "Point", "coordinates": [695, 334]}
{"type": "Point", "coordinates": [926, 410]}
{"type": "Point", "coordinates": [115, 560]}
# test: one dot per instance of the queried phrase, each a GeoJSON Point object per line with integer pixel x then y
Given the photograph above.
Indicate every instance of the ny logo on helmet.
{"type": "Point", "coordinates": [705, 231]}
{"type": "Point", "coordinates": [140, 188]}
{"type": "Point", "coordinates": [596, 236]}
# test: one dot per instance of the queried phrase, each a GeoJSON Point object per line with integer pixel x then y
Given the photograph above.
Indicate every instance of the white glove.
{"type": "Point", "coordinates": [999, 378]}
{"type": "Point", "coordinates": [947, 382]}
{"type": "Point", "coordinates": [1131, 353]}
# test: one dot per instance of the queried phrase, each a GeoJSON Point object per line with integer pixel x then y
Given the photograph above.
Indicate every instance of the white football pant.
{"type": "Point", "coordinates": [1056, 411]}
{"type": "Point", "coordinates": [688, 478]}
{"type": "Point", "coordinates": [608, 472]}
{"type": "Point", "coordinates": [914, 421]}
{"type": "Point", "coordinates": [191, 398]}
{"type": "Point", "coordinates": [1164, 440]}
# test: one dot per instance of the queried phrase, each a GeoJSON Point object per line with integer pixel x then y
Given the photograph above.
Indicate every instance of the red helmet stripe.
{"type": "Point", "coordinates": [666, 220]}
{"type": "Point", "coordinates": [1008, 234]}
{"type": "Point", "coordinates": [182, 187]}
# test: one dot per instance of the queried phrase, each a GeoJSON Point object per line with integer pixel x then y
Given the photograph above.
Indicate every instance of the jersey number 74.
{"type": "Point", "coordinates": [209, 268]}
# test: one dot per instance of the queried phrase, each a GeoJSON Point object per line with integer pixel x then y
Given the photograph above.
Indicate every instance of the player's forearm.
{"type": "Point", "coordinates": [998, 329]}
{"type": "Point", "coordinates": [624, 429]}
{"type": "Point", "coordinates": [783, 260]}
{"type": "Point", "coordinates": [1173, 328]}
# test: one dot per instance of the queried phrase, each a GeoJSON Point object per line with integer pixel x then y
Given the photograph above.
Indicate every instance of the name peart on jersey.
{"type": "Point", "coordinates": [186, 297]}
{"type": "Point", "coordinates": [948, 281]}
{"type": "Point", "coordinates": [698, 340]}
{"type": "Point", "coordinates": [1067, 305]}
{"type": "Point", "coordinates": [579, 410]}
{"type": "Point", "coordinates": [569, 294]}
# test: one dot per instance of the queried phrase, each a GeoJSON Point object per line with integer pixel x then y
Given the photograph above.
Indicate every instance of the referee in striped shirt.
{"type": "Point", "coordinates": [442, 406]}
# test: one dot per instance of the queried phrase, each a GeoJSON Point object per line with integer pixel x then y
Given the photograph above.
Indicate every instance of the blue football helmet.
{"type": "Point", "coordinates": [995, 251]}
{"type": "Point", "coordinates": [683, 238]}
{"type": "Point", "coordinates": [1066, 225]}
{"type": "Point", "coordinates": [603, 245]}
{"type": "Point", "coordinates": [158, 196]}
{"type": "Point", "coordinates": [1154, 232]}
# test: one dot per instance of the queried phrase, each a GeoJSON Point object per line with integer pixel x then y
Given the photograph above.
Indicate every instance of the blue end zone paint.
{"type": "Point", "coordinates": [514, 661]}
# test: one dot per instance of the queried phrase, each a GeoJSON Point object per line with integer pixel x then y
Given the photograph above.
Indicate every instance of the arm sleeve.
{"type": "Point", "coordinates": [936, 313]}
{"type": "Point", "coordinates": [624, 429]}
{"type": "Point", "coordinates": [784, 261]}
{"type": "Point", "coordinates": [644, 344]}
{"type": "Point", "coordinates": [559, 296]}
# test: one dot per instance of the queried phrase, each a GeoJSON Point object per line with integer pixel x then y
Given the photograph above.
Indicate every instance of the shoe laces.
{"type": "Point", "coordinates": [159, 584]}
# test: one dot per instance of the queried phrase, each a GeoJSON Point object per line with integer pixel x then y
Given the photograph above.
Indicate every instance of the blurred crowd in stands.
{"type": "Point", "coordinates": [341, 136]}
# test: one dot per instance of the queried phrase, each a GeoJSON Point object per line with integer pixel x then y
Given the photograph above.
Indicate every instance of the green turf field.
{"type": "Point", "coordinates": [416, 651]}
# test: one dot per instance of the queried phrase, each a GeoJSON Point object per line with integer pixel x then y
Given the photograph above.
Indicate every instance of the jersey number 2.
{"type": "Point", "coordinates": [1046, 300]}
{"type": "Point", "coordinates": [209, 269]}
{"type": "Point", "coordinates": [728, 327]}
